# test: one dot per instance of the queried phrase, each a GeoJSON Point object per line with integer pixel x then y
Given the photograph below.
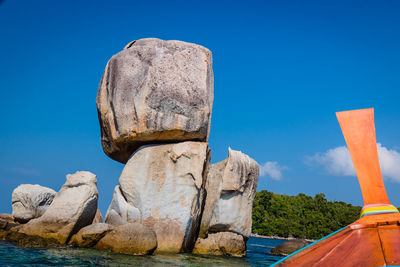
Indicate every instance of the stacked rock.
{"type": "Point", "coordinates": [154, 104]}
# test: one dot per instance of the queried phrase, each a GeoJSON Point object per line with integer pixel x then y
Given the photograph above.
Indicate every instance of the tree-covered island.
{"type": "Point", "coordinates": [300, 216]}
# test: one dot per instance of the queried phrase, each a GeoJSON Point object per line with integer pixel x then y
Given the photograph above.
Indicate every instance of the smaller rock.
{"type": "Point", "coordinates": [238, 184]}
{"type": "Point", "coordinates": [131, 238]}
{"type": "Point", "coordinates": [89, 236]}
{"type": "Point", "coordinates": [222, 243]}
{"type": "Point", "coordinates": [6, 220]}
{"type": "Point", "coordinates": [288, 247]}
{"type": "Point", "coordinates": [30, 201]}
{"type": "Point", "coordinates": [73, 208]}
{"type": "Point", "coordinates": [6, 223]}
{"type": "Point", "coordinates": [98, 218]}
{"type": "Point", "coordinates": [121, 212]}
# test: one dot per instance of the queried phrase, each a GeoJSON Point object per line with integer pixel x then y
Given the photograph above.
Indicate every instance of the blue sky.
{"type": "Point", "coordinates": [281, 68]}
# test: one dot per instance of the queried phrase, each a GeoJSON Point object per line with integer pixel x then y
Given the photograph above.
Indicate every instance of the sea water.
{"type": "Point", "coordinates": [10, 255]}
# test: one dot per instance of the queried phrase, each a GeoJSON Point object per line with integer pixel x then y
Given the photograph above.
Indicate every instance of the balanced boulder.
{"type": "Point", "coordinates": [30, 201]}
{"type": "Point", "coordinates": [166, 184]}
{"type": "Point", "coordinates": [131, 238]}
{"type": "Point", "coordinates": [73, 207]}
{"type": "Point", "coordinates": [155, 91]}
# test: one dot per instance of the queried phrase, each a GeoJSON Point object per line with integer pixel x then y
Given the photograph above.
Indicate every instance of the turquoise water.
{"type": "Point", "coordinates": [11, 255]}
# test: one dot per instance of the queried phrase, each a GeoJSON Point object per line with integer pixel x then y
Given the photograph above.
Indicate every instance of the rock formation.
{"type": "Point", "coordinates": [131, 238]}
{"type": "Point", "coordinates": [165, 184]}
{"type": "Point", "coordinates": [89, 235]}
{"type": "Point", "coordinates": [288, 247]}
{"type": "Point", "coordinates": [154, 105]}
{"type": "Point", "coordinates": [233, 210]}
{"type": "Point", "coordinates": [222, 243]}
{"type": "Point", "coordinates": [120, 212]}
{"type": "Point", "coordinates": [6, 223]}
{"type": "Point", "coordinates": [73, 207]}
{"type": "Point", "coordinates": [231, 186]}
{"type": "Point", "coordinates": [30, 201]}
{"type": "Point", "coordinates": [155, 91]}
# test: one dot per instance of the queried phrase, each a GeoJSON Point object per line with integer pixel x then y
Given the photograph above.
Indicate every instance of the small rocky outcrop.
{"type": "Point", "coordinates": [6, 223]}
{"type": "Point", "coordinates": [288, 247]}
{"type": "Point", "coordinates": [98, 217]}
{"type": "Point", "coordinates": [234, 181]}
{"type": "Point", "coordinates": [230, 189]}
{"type": "Point", "coordinates": [89, 235]}
{"type": "Point", "coordinates": [73, 207]}
{"type": "Point", "coordinates": [30, 201]}
{"type": "Point", "coordinates": [165, 183]}
{"type": "Point", "coordinates": [222, 243]}
{"type": "Point", "coordinates": [120, 212]}
{"type": "Point", "coordinates": [155, 91]}
{"type": "Point", "coordinates": [131, 238]}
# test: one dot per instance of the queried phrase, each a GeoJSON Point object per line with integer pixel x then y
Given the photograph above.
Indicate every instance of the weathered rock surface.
{"type": "Point", "coordinates": [132, 238]}
{"type": "Point", "coordinates": [6, 223]}
{"type": "Point", "coordinates": [6, 218]}
{"type": "Point", "coordinates": [155, 91]}
{"type": "Point", "coordinates": [98, 217]}
{"type": "Point", "coordinates": [73, 207]}
{"type": "Point", "coordinates": [222, 243]}
{"type": "Point", "coordinates": [213, 193]}
{"type": "Point", "coordinates": [288, 247]}
{"type": "Point", "coordinates": [120, 212]}
{"type": "Point", "coordinates": [236, 180]}
{"type": "Point", "coordinates": [166, 184]}
{"type": "Point", "coordinates": [89, 235]}
{"type": "Point", "coordinates": [30, 201]}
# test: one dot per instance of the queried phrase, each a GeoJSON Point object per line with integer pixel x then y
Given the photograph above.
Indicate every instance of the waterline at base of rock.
{"type": "Point", "coordinates": [12, 255]}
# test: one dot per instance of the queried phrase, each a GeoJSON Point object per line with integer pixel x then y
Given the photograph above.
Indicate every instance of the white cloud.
{"type": "Point", "coordinates": [272, 169]}
{"type": "Point", "coordinates": [337, 161]}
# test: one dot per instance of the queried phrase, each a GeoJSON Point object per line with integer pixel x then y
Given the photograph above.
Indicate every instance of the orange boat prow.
{"type": "Point", "coordinates": [374, 239]}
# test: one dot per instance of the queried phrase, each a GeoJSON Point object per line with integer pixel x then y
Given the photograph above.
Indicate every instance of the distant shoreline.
{"type": "Point", "coordinates": [279, 237]}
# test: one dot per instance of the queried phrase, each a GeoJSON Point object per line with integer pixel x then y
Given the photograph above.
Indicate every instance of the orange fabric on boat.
{"type": "Point", "coordinates": [358, 128]}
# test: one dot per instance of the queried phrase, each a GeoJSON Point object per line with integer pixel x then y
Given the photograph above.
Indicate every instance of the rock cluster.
{"type": "Point", "coordinates": [72, 208]}
{"type": "Point", "coordinates": [154, 104]}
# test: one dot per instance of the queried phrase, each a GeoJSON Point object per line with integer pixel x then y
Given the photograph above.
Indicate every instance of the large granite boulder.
{"type": "Point", "coordinates": [155, 91]}
{"type": "Point", "coordinates": [288, 247]}
{"type": "Point", "coordinates": [222, 243]}
{"type": "Point", "coordinates": [30, 201]}
{"type": "Point", "coordinates": [231, 185]}
{"type": "Point", "coordinates": [131, 238]}
{"type": "Point", "coordinates": [73, 207]}
{"type": "Point", "coordinates": [166, 184]}
{"type": "Point", "coordinates": [89, 235]}
{"type": "Point", "coordinates": [121, 212]}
